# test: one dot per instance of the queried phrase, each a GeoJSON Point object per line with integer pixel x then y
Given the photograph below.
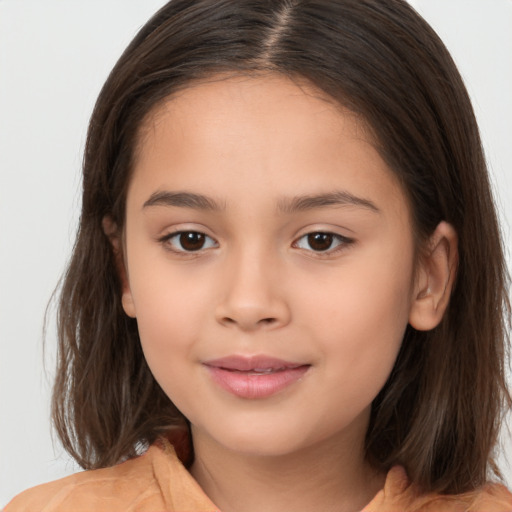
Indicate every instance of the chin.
{"type": "Point", "coordinates": [262, 441]}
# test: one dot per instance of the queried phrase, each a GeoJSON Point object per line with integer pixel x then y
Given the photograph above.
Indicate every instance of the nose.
{"type": "Point", "coordinates": [253, 295]}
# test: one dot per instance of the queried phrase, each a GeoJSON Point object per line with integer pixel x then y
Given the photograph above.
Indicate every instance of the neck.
{"type": "Point", "coordinates": [330, 476]}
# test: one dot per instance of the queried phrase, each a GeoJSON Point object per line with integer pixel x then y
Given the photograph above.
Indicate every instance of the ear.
{"type": "Point", "coordinates": [435, 277]}
{"type": "Point", "coordinates": [112, 232]}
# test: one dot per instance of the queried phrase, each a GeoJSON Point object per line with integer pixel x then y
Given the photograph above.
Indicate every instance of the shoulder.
{"type": "Point", "coordinates": [83, 490]}
{"type": "Point", "coordinates": [399, 494]}
{"type": "Point", "coordinates": [153, 481]}
{"type": "Point", "coordinates": [491, 498]}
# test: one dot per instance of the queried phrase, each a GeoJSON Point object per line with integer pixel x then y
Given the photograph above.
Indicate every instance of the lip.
{"type": "Point", "coordinates": [254, 377]}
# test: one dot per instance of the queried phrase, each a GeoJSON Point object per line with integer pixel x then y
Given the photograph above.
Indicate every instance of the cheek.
{"type": "Point", "coordinates": [167, 330]}
{"type": "Point", "coordinates": [359, 319]}
{"type": "Point", "coordinates": [361, 295]}
{"type": "Point", "coordinates": [167, 297]}
{"type": "Point", "coordinates": [167, 318]}
{"type": "Point", "coordinates": [170, 307]}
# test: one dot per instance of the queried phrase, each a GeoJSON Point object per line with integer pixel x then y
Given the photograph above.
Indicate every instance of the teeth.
{"type": "Point", "coordinates": [264, 371]}
{"type": "Point", "coordinates": [259, 371]}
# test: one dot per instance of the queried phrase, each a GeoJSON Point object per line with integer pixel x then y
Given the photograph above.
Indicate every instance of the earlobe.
{"type": "Point", "coordinates": [128, 305]}
{"type": "Point", "coordinates": [435, 279]}
{"type": "Point", "coordinates": [112, 232]}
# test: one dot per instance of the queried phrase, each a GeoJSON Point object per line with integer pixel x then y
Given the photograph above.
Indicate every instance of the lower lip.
{"type": "Point", "coordinates": [250, 385]}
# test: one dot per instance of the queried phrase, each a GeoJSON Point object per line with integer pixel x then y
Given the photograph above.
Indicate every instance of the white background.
{"type": "Point", "coordinates": [54, 57]}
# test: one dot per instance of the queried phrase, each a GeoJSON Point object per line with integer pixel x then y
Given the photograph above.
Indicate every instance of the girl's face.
{"type": "Point", "coordinates": [269, 263]}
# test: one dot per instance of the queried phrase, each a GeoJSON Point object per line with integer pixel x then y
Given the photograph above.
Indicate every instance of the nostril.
{"type": "Point", "coordinates": [262, 321]}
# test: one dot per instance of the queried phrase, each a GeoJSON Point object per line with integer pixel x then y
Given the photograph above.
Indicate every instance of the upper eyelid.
{"type": "Point", "coordinates": [323, 231]}
{"type": "Point", "coordinates": [172, 233]}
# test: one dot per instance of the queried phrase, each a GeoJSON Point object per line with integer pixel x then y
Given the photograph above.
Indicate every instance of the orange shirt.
{"type": "Point", "coordinates": [157, 482]}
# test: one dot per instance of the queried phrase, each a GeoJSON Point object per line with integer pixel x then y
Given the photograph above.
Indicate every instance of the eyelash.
{"type": "Point", "coordinates": [343, 242]}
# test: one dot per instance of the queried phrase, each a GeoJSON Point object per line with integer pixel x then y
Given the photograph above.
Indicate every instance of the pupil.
{"type": "Point", "coordinates": [320, 241]}
{"type": "Point", "coordinates": [192, 241]}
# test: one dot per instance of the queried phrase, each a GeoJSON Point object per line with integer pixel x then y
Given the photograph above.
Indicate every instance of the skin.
{"type": "Point", "coordinates": [258, 285]}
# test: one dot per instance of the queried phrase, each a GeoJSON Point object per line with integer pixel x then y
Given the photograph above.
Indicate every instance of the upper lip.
{"type": "Point", "coordinates": [248, 363]}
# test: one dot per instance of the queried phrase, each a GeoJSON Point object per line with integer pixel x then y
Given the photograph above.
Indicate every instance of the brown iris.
{"type": "Point", "coordinates": [320, 241]}
{"type": "Point", "coordinates": [192, 241]}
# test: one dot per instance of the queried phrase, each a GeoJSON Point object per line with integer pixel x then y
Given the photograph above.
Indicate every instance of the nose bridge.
{"type": "Point", "coordinates": [252, 296]}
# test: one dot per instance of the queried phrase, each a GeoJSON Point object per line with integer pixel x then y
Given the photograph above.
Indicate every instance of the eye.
{"type": "Point", "coordinates": [322, 242]}
{"type": "Point", "coordinates": [188, 241]}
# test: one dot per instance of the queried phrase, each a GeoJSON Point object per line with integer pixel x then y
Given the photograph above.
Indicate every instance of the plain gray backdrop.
{"type": "Point", "coordinates": [54, 57]}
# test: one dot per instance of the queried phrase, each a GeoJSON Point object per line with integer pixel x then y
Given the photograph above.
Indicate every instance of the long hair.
{"type": "Point", "coordinates": [440, 411]}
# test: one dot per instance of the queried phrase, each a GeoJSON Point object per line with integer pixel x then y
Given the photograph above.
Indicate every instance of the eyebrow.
{"type": "Point", "coordinates": [284, 205]}
{"type": "Point", "coordinates": [184, 200]}
{"type": "Point", "coordinates": [335, 198]}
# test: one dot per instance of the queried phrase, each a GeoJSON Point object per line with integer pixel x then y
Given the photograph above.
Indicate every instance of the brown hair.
{"type": "Point", "coordinates": [440, 411]}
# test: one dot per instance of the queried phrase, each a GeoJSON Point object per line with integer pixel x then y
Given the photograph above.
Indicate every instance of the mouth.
{"type": "Point", "coordinates": [255, 376]}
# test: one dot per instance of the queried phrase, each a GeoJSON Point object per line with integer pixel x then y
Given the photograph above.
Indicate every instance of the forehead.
{"type": "Point", "coordinates": [269, 99]}
{"type": "Point", "coordinates": [241, 133]}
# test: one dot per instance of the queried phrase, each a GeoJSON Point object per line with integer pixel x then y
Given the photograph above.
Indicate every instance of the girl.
{"type": "Point", "coordinates": [288, 289]}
